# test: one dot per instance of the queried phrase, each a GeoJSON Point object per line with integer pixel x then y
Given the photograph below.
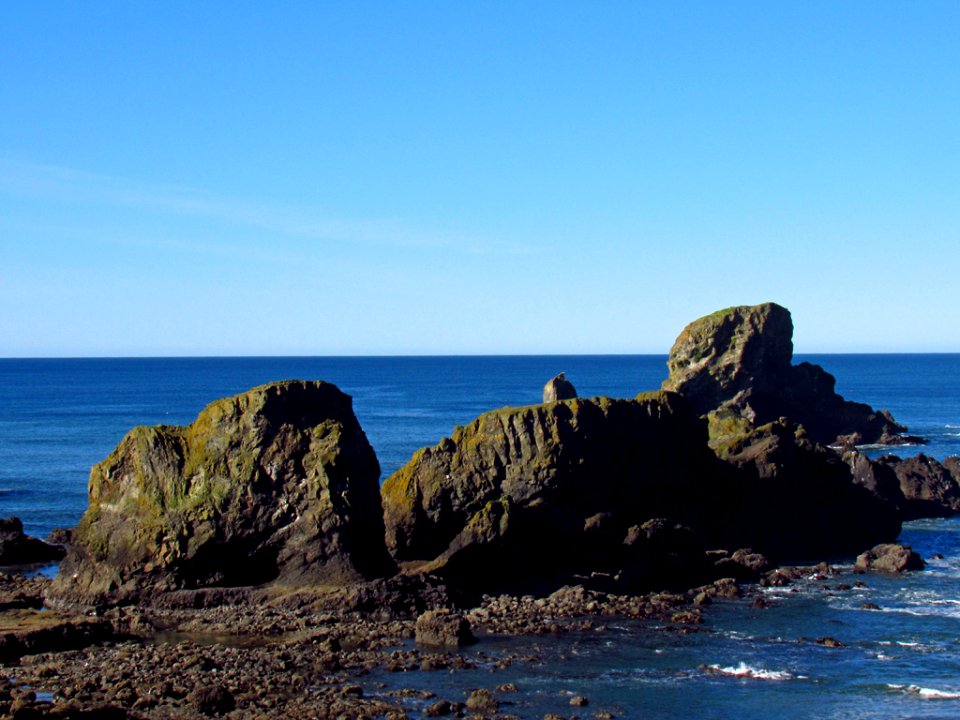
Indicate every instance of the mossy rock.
{"type": "Point", "coordinates": [278, 484]}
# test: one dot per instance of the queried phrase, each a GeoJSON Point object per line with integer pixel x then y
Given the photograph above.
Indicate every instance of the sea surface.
{"type": "Point", "coordinates": [60, 416]}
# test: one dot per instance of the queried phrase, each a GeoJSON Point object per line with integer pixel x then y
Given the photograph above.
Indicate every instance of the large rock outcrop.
{"type": "Point", "coordinates": [547, 491]}
{"type": "Point", "coordinates": [276, 484]}
{"type": "Point", "coordinates": [737, 363]}
{"type": "Point", "coordinates": [625, 490]}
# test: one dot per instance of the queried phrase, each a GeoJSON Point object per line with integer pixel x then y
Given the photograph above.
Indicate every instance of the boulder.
{"type": "Point", "coordinates": [559, 388]}
{"type": "Point", "coordinates": [541, 493]}
{"type": "Point", "coordinates": [17, 548]}
{"type": "Point", "coordinates": [277, 484]}
{"type": "Point", "coordinates": [443, 628]}
{"type": "Point", "coordinates": [889, 558]}
{"type": "Point", "coordinates": [737, 362]}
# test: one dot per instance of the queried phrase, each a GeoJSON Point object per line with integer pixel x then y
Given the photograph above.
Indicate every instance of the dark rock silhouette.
{"type": "Point", "coordinates": [736, 363]}
{"type": "Point", "coordinates": [621, 493]}
{"type": "Point", "coordinates": [278, 484]}
{"type": "Point", "coordinates": [17, 548]}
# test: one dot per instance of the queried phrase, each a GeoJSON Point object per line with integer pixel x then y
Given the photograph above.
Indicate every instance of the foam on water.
{"type": "Point", "coordinates": [742, 670]}
{"type": "Point", "coordinates": [926, 693]}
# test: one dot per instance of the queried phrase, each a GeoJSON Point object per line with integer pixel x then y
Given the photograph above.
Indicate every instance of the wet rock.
{"type": "Point", "coordinates": [275, 484]}
{"type": "Point", "coordinates": [17, 548]}
{"type": "Point", "coordinates": [579, 701]}
{"type": "Point", "coordinates": [482, 701]}
{"type": "Point", "coordinates": [889, 558]}
{"type": "Point", "coordinates": [829, 642]}
{"type": "Point", "coordinates": [736, 363]}
{"type": "Point", "coordinates": [558, 388]}
{"type": "Point", "coordinates": [443, 628]}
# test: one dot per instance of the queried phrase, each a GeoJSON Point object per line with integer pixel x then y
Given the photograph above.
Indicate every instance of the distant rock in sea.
{"type": "Point", "coordinates": [735, 364]}
{"type": "Point", "coordinates": [278, 484]}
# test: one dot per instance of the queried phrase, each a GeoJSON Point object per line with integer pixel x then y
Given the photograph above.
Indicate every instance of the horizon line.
{"type": "Point", "coordinates": [431, 355]}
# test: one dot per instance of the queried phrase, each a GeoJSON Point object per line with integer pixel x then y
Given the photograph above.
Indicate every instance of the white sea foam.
{"type": "Point", "coordinates": [926, 693]}
{"type": "Point", "coordinates": [745, 671]}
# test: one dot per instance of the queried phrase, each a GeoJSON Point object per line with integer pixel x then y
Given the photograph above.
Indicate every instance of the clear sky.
{"type": "Point", "coordinates": [270, 178]}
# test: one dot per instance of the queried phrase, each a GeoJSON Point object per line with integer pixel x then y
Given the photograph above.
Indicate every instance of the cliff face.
{"type": "Point", "coordinates": [737, 363]}
{"type": "Point", "coordinates": [276, 484]}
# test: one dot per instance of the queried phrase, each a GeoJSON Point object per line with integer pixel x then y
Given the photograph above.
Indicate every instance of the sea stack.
{"type": "Point", "coordinates": [277, 484]}
{"type": "Point", "coordinates": [736, 365]}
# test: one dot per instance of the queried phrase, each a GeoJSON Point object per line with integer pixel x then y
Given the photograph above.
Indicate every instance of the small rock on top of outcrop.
{"type": "Point", "coordinates": [889, 558]}
{"type": "Point", "coordinates": [17, 548]}
{"type": "Point", "coordinates": [559, 388]}
{"type": "Point", "coordinates": [443, 628]}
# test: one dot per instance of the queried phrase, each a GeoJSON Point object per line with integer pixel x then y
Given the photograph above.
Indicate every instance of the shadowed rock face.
{"type": "Point", "coordinates": [16, 548]}
{"type": "Point", "coordinates": [276, 484]}
{"type": "Point", "coordinates": [737, 362]}
{"type": "Point", "coordinates": [546, 490]}
{"type": "Point", "coordinates": [525, 498]}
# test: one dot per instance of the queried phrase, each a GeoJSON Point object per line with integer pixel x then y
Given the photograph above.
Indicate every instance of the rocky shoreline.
{"type": "Point", "coordinates": [249, 565]}
{"type": "Point", "coordinates": [257, 656]}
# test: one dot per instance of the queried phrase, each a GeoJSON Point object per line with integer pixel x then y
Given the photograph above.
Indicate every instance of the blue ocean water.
{"type": "Point", "coordinates": [59, 417]}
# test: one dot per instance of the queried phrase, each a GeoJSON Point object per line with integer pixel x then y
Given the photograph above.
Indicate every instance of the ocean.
{"type": "Point", "coordinates": [60, 416]}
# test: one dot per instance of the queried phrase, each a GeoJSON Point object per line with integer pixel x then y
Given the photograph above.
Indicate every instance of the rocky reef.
{"type": "Point", "coordinates": [737, 364]}
{"type": "Point", "coordinates": [278, 484]}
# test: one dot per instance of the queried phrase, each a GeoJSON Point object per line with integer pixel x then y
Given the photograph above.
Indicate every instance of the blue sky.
{"type": "Point", "coordinates": [185, 178]}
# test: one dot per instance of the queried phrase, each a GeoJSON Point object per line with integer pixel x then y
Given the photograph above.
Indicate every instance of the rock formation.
{"type": "Point", "coordinates": [889, 558]}
{"type": "Point", "coordinates": [276, 484]}
{"type": "Point", "coordinates": [17, 548]}
{"type": "Point", "coordinates": [546, 491]}
{"type": "Point", "coordinates": [797, 499]}
{"type": "Point", "coordinates": [737, 363]}
{"type": "Point", "coordinates": [559, 388]}
{"type": "Point", "coordinates": [625, 491]}
{"type": "Point", "coordinates": [918, 486]}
